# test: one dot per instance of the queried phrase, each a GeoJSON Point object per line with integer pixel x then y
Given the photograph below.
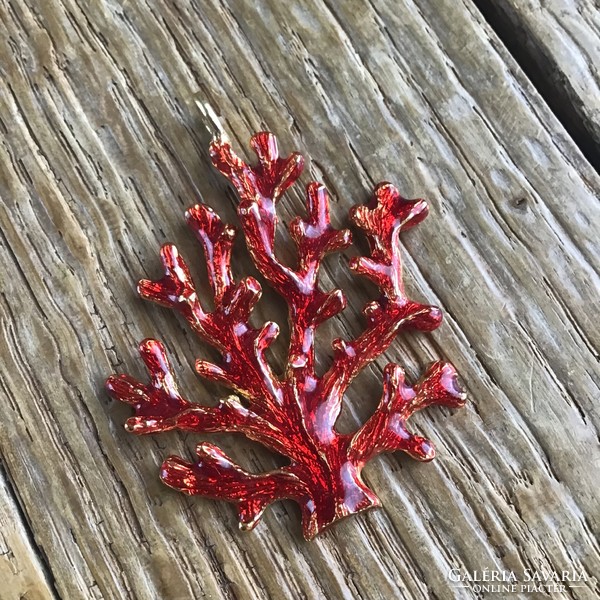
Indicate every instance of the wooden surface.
{"type": "Point", "coordinates": [559, 40]}
{"type": "Point", "coordinates": [21, 570]}
{"type": "Point", "coordinates": [102, 151]}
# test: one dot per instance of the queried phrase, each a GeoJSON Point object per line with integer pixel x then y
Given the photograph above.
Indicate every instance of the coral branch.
{"type": "Point", "coordinates": [382, 221]}
{"type": "Point", "coordinates": [228, 328]}
{"type": "Point", "coordinates": [156, 403]}
{"type": "Point", "coordinates": [260, 188]}
{"type": "Point", "coordinates": [386, 430]}
{"type": "Point", "coordinates": [251, 493]}
{"type": "Point", "coordinates": [296, 415]}
{"type": "Point", "coordinates": [159, 407]}
{"type": "Point", "coordinates": [217, 240]}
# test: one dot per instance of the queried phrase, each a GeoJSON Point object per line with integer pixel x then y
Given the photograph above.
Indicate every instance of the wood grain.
{"type": "Point", "coordinates": [102, 151]}
{"type": "Point", "coordinates": [560, 41]}
{"type": "Point", "coordinates": [21, 570]}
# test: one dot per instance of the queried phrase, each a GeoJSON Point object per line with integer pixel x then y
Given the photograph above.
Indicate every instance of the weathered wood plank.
{"type": "Point", "coordinates": [101, 152]}
{"type": "Point", "coordinates": [559, 41]}
{"type": "Point", "coordinates": [22, 573]}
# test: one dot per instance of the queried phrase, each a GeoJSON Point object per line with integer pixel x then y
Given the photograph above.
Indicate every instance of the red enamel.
{"type": "Point", "coordinates": [294, 415]}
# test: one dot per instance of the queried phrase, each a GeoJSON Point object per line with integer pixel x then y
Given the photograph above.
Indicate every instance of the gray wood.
{"type": "Point", "coordinates": [101, 152]}
{"type": "Point", "coordinates": [560, 39]}
{"type": "Point", "coordinates": [21, 571]}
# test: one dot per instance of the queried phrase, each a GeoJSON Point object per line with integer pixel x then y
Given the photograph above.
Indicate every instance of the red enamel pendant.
{"type": "Point", "coordinates": [293, 415]}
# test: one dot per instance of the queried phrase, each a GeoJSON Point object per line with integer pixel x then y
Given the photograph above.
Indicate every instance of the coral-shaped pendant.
{"type": "Point", "coordinates": [295, 414]}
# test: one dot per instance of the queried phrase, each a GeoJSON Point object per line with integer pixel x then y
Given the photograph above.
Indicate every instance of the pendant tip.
{"type": "Point", "coordinates": [210, 118]}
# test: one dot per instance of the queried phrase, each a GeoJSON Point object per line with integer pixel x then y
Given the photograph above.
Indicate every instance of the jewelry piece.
{"type": "Point", "coordinates": [294, 415]}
